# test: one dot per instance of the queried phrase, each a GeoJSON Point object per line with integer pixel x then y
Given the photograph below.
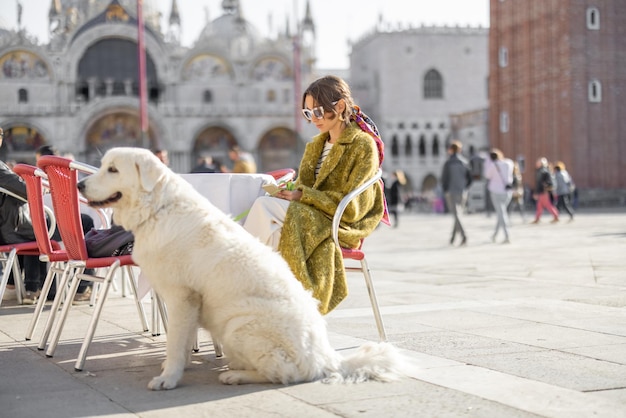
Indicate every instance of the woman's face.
{"type": "Point", "coordinates": [323, 124]}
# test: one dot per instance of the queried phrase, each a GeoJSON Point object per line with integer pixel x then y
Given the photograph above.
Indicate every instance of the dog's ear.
{"type": "Point", "coordinates": [149, 172]}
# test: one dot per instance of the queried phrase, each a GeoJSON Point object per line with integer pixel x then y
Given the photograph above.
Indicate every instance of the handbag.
{"type": "Point", "coordinates": [109, 242]}
{"type": "Point", "coordinates": [507, 186]}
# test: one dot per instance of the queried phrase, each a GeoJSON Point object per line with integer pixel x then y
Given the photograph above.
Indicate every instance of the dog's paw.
{"type": "Point", "coordinates": [231, 377]}
{"type": "Point", "coordinates": [162, 383]}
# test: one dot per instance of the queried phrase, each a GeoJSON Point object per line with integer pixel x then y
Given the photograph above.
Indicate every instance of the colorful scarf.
{"type": "Point", "coordinates": [367, 125]}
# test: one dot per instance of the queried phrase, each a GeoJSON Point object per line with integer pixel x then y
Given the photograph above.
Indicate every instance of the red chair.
{"type": "Point", "coordinates": [62, 176]}
{"type": "Point", "coordinates": [50, 250]}
{"type": "Point", "coordinates": [283, 174]}
{"type": "Point", "coordinates": [9, 253]}
{"type": "Point", "coordinates": [357, 254]}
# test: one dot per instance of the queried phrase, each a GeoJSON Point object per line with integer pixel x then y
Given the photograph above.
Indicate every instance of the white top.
{"type": "Point", "coordinates": [499, 173]}
{"type": "Point", "coordinates": [327, 147]}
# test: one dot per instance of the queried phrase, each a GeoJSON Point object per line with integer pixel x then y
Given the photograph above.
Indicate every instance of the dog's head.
{"type": "Point", "coordinates": [125, 181]}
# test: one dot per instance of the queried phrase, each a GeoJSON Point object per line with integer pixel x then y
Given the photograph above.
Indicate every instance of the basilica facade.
{"type": "Point", "coordinates": [80, 91]}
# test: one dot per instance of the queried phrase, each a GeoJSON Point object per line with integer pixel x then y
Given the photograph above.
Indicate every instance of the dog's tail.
{"type": "Point", "coordinates": [372, 361]}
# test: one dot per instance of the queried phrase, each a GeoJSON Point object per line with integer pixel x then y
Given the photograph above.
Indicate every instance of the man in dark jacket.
{"type": "Point", "coordinates": [16, 227]}
{"type": "Point", "coordinates": [455, 181]}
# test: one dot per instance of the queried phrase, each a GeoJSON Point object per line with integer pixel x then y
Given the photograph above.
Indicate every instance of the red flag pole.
{"type": "Point", "coordinates": [297, 72]}
{"type": "Point", "coordinates": [143, 97]}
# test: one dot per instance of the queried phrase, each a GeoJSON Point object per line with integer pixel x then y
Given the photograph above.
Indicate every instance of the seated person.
{"type": "Point", "coordinates": [243, 162]}
{"type": "Point", "coordinates": [298, 223]}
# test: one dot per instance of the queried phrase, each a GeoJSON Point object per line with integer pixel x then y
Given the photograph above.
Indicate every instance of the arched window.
{"type": "Point", "coordinates": [504, 122]}
{"type": "Point", "coordinates": [503, 56]}
{"type": "Point", "coordinates": [595, 91]}
{"type": "Point", "coordinates": [22, 96]}
{"type": "Point", "coordinates": [394, 146]}
{"type": "Point", "coordinates": [408, 146]}
{"type": "Point", "coordinates": [593, 18]}
{"type": "Point", "coordinates": [115, 59]}
{"type": "Point", "coordinates": [422, 146]}
{"type": "Point", "coordinates": [207, 96]}
{"type": "Point", "coordinates": [433, 85]}
{"type": "Point", "coordinates": [435, 146]}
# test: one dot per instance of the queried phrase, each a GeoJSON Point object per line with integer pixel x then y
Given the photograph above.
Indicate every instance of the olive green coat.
{"type": "Point", "coordinates": [306, 239]}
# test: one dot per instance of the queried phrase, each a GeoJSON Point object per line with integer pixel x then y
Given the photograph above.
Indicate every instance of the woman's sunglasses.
{"type": "Point", "coordinates": [318, 112]}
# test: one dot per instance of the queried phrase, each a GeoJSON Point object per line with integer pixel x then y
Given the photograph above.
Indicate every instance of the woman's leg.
{"type": "Point", "coordinates": [540, 203]}
{"type": "Point", "coordinates": [567, 205]}
{"type": "Point", "coordinates": [265, 219]}
{"type": "Point", "coordinates": [500, 202]}
{"type": "Point", "coordinates": [495, 201]}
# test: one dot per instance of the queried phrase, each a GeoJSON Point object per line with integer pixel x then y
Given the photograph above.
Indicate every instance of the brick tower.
{"type": "Point", "coordinates": [557, 86]}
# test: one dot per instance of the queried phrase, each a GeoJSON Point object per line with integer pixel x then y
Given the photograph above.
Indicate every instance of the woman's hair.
{"type": "Point", "coordinates": [495, 154]}
{"type": "Point", "coordinates": [327, 90]}
{"type": "Point", "coordinates": [400, 176]}
{"type": "Point", "coordinates": [47, 150]}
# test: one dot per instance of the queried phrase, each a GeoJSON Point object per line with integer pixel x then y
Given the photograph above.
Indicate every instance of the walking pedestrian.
{"type": "Point", "coordinates": [543, 187]}
{"type": "Point", "coordinates": [499, 175]}
{"type": "Point", "coordinates": [564, 188]}
{"type": "Point", "coordinates": [455, 180]}
{"type": "Point", "coordinates": [392, 193]}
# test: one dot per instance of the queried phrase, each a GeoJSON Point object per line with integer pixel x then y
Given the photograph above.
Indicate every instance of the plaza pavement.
{"type": "Point", "coordinates": [535, 328]}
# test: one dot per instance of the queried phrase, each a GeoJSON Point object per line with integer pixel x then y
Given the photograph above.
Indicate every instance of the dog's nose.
{"type": "Point", "coordinates": [81, 185]}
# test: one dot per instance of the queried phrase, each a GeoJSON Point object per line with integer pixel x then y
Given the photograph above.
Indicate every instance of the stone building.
{"type": "Point", "coordinates": [80, 91]}
{"type": "Point", "coordinates": [557, 88]}
{"type": "Point", "coordinates": [412, 81]}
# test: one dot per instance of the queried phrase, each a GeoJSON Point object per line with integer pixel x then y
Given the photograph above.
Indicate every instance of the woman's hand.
{"type": "Point", "coordinates": [289, 194]}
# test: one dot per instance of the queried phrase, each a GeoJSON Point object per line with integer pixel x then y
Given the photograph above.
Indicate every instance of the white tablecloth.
{"type": "Point", "coordinates": [232, 193]}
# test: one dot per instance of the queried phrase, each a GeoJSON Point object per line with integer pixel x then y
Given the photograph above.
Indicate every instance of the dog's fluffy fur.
{"type": "Point", "coordinates": [212, 273]}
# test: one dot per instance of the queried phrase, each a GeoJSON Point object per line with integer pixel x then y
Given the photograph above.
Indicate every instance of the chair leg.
{"type": "Point", "coordinates": [102, 295]}
{"type": "Point", "coordinates": [196, 346]}
{"type": "Point", "coordinates": [14, 263]}
{"type": "Point", "coordinates": [124, 288]}
{"type": "Point", "coordinates": [56, 334]}
{"type": "Point", "coordinates": [127, 273]}
{"type": "Point", "coordinates": [6, 273]}
{"type": "Point", "coordinates": [162, 311]}
{"type": "Point", "coordinates": [53, 270]}
{"type": "Point", "coordinates": [372, 293]}
{"type": "Point", "coordinates": [68, 272]}
{"type": "Point", "coordinates": [156, 320]}
{"type": "Point", "coordinates": [217, 346]}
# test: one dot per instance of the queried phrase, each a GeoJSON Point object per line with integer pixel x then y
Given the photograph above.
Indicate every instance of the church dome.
{"type": "Point", "coordinates": [230, 26]}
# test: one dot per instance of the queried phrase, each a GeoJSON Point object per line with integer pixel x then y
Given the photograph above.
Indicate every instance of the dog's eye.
{"type": "Point", "coordinates": [112, 170]}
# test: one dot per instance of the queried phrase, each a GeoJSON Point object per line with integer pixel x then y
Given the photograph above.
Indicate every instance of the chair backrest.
{"type": "Point", "coordinates": [38, 211]}
{"type": "Point", "coordinates": [65, 201]}
{"type": "Point", "coordinates": [343, 204]}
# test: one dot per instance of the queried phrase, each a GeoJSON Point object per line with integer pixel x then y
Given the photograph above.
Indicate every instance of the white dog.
{"type": "Point", "coordinates": [212, 273]}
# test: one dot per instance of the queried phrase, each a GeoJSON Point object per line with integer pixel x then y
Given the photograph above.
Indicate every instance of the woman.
{"type": "Point", "coordinates": [499, 173]}
{"type": "Point", "coordinates": [543, 186]}
{"type": "Point", "coordinates": [564, 186]}
{"type": "Point", "coordinates": [517, 198]}
{"type": "Point", "coordinates": [394, 198]}
{"type": "Point", "coordinates": [297, 223]}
